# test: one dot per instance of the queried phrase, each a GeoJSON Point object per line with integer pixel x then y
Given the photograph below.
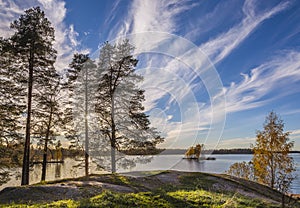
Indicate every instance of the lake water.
{"type": "Point", "coordinates": [160, 162]}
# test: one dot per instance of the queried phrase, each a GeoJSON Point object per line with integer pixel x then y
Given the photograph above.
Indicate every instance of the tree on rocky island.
{"type": "Point", "coordinates": [194, 152]}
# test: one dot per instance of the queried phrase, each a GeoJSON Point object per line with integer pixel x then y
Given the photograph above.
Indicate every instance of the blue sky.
{"type": "Point", "coordinates": [213, 69]}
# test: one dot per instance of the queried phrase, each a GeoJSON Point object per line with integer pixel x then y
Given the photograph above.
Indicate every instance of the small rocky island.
{"type": "Point", "coordinates": [195, 153]}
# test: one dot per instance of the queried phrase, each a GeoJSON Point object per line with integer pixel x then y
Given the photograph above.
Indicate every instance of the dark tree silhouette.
{"type": "Point", "coordinates": [33, 42]}
{"type": "Point", "coordinates": [11, 96]}
{"type": "Point", "coordinates": [47, 116]}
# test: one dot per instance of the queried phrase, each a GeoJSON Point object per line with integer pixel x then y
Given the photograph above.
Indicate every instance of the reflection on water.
{"type": "Point", "coordinates": [58, 171]}
{"type": "Point", "coordinates": [74, 168]}
{"type": "Point", "coordinates": [71, 168]}
{"type": "Point", "coordinates": [220, 165]}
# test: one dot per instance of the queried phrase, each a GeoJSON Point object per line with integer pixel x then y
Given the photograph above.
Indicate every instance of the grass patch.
{"type": "Point", "coordinates": [144, 173]}
{"type": "Point", "coordinates": [165, 189]}
{"type": "Point", "coordinates": [180, 198]}
{"type": "Point", "coordinates": [202, 198]}
{"type": "Point", "coordinates": [195, 181]}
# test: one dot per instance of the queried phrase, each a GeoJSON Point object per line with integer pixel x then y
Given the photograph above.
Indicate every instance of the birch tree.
{"type": "Point", "coordinates": [271, 160]}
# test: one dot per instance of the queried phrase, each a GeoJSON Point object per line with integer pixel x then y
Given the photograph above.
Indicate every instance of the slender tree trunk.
{"type": "Point", "coordinates": [86, 155]}
{"type": "Point", "coordinates": [113, 137]}
{"type": "Point", "coordinates": [113, 158]}
{"type": "Point", "coordinates": [25, 168]}
{"type": "Point", "coordinates": [272, 172]}
{"type": "Point", "coordinates": [44, 164]}
{"type": "Point", "coordinates": [113, 150]}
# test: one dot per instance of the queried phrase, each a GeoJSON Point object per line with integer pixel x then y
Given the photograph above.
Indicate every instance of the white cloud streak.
{"type": "Point", "coordinates": [161, 16]}
{"type": "Point", "coordinates": [65, 36]}
{"type": "Point", "coordinates": [173, 77]}
{"type": "Point", "coordinates": [8, 11]}
{"type": "Point", "coordinates": [295, 132]}
{"type": "Point", "coordinates": [55, 10]}
{"type": "Point", "coordinates": [221, 46]}
{"type": "Point", "coordinates": [73, 36]}
{"type": "Point", "coordinates": [246, 94]}
{"type": "Point", "coordinates": [269, 77]}
{"type": "Point", "coordinates": [151, 15]}
{"type": "Point", "coordinates": [246, 142]}
{"type": "Point", "coordinates": [233, 143]}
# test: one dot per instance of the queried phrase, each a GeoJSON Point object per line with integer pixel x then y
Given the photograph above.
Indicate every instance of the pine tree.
{"type": "Point", "coordinates": [47, 115]}
{"type": "Point", "coordinates": [272, 164]}
{"type": "Point", "coordinates": [119, 101]}
{"type": "Point", "coordinates": [11, 108]}
{"type": "Point", "coordinates": [33, 43]}
{"type": "Point", "coordinates": [81, 78]}
{"type": "Point", "coordinates": [11, 96]}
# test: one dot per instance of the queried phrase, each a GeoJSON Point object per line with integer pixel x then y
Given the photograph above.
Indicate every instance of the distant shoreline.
{"type": "Point", "coordinates": [213, 152]}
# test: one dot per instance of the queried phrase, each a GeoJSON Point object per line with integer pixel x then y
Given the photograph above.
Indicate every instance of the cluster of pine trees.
{"type": "Point", "coordinates": [94, 105]}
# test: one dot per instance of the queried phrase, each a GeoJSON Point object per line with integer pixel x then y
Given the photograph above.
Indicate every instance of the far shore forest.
{"type": "Point", "coordinates": [97, 106]}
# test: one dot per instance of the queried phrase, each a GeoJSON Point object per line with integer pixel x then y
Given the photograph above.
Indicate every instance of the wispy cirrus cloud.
{"type": "Point", "coordinates": [222, 45]}
{"type": "Point", "coordinates": [65, 35]}
{"type": "Point", "coordinates": [233, 143]}
{"type": "Point", "coordinates": [8, 12]}
{"type": "Point", "coordinates": [297, 131]}
{"type": "Point", "coordinates": [150, 22]}
{"type": "Point", "coordinates": [270, 77]}
{"type": "Point", "coordinates": [182, 83]}
{"type": "Point", "coordinates": [247, 141]}
{"type": "Point", "coordinates": [151, 16]}
{"type": "Point", "coordinates": [295, 134]}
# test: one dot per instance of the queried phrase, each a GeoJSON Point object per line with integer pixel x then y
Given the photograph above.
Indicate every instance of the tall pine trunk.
{"type": "Point", "coordinates": [86, 155]}
{"type": "Point", "coordinates": [113, 150]}
{"type": "Point", "coordinates": [113, 136]}
{"type": "Point", "coordinates": [44, 164]}
{"type": "Point", "coordinates": [33, 44]}
{"type": "Point", "coordinates": [113, 159]}
{"type": "Point", "coordinates": [25, 168]}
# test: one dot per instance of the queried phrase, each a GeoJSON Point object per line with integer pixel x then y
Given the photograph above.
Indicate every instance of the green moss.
{"type": "Point", "coordinates": [84, 178]}
{"type": "Point", "coordinates": [181, 198]}
{"type": "Point", "coordinates": [201, 198]}
{"type": "Point", "coordinates": [188, 190]}
{"type": "Point", "coordinates": [62, 203]}
{"type": "Point", "coordinates": [143, 199]}
{"type": "Point", "coordinates": [196, 181]}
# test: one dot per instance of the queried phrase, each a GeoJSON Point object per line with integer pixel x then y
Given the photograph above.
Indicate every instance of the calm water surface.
{"type": "Point", "coordinates": [220, 165]}
{"type": "Point", "coordinates": [160, 162]}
